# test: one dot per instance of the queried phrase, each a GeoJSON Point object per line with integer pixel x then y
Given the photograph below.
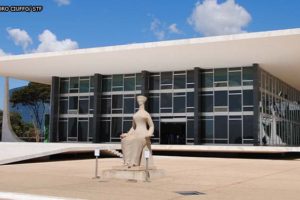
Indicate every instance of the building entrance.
{"type": "Point", "coordinates": [172, 133]}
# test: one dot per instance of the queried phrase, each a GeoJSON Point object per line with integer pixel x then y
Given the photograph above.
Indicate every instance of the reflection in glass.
{"type": "Point", "coordinates": [84, 86]}
{"type": "Point", "coordinates": [179, 104]}
{"type": "Point", "coordinates": [74, 82]}
{"type": "Point", "coordinates": [207, 80]}
{"type": "Point", "coordinates": [73, 103]}
{"type": "Point", "coordinates": [83, 106]}
{"type": "Point", "coordinates": [64, 87]}
{"type": "Point", "coordinates": [166, 100]}
{"type": "Point", "coordinates": [129, 105]}
{"type": "Point", "coordinates": [179, 81]}
{"type": "Point", "coordinates": [220, 74]}
{"type": "Point", "coordinates": [234, 78]}
{"type": "Point", "coordinates": [221, 98]}
{"type": "Point", "coordinates": [235, 103]}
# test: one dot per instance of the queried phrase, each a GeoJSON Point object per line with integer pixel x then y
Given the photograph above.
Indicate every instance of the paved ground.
{"type": "Point", "coordinates": [217, 178]}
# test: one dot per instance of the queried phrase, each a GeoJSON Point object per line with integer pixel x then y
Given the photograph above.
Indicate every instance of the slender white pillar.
{"type": "Point", "coordinates": [8, 134]}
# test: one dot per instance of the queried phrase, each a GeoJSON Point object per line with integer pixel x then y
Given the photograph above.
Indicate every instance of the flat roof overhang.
{"type": "Point", "coordinates": [275, 51]}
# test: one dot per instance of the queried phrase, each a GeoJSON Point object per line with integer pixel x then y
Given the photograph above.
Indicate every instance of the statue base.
{"type": "Point", "coordinates": [133, 173]}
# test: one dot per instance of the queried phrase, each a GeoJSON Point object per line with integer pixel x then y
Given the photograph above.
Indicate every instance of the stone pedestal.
{"type": "Point", "coordinates": [134, 173]}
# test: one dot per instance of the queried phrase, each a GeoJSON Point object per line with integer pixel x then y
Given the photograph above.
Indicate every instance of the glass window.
{"type": "Point", "coordinates": [72, 127]}
{"type": "Point", "coordinates": [117, 80]}
{"type": "Point", "coordinates": [83, 106]}
{"type": "Point", "coordinates": [63, 130]}
{"type": "Point", "coordinates": [154, 83]}
{"type": "Point", "coordinates": [235, 131]}
{"type": "Point", "coordinates": [73, 103]}
{"type": "Point", "coordinates": [234, 78]}
{"type": "Point", "coordinates": [117, 101]}
{"type": "Point", "coordinates": [105, 131]}
{"type": "Point", "coordinates": [92, 82]}
{"type": "Point", "coordinates": [84, 86]}
{"type": "Point", "coordinates": [166, 78]}
{"type": "Point", "coordinates": [74, 82]}
{"type": "Point", "coordinates": [207, 128]}
{"type": "Point", "coordinates": [91, 102]}
{"type": "Point", "coordinates": [190, 76]}
{"type": "Point", "coordinates": [179, 104]}
{"type": "Point", "coordinates": [82, 130]}
{"type": "Point", "coordinates": [64, 87]}
{"type": "Point", "coordinates": [235, 103]}
{"type": "Point", "coordinates": [207, 103]}
{"type": "Point", "coordinates": [220, 75]}
{"type": "Point", "coordinates": [190, 99]}
{"type": "Point", "coordinates": [156, 129]}
{"type": "Point", "coordinates": [248, 97]}
{"type": "Point", "coordinates": [166, 100]}
{"type": "Point", "coordinates": [154, 105]}
{"type": "Point", "coordinates": [190, 129]}
{"type": "Point", "coordinates": [221, 98]}
{"type": "Point", "coordinates": [207, 80]}
{"type": "Point", "coordinates": [248, 127]}
{"type": "Point", "coordinates": [91, 127]}
{"type": "Point", "coordinates": [63, 107]}
{"type": "Point", "coordinates": [179, 81]}
{"type": "Point", "coordinates": [129, 105]}
{"type": "Point", "coordinates": [116, 127]}
{"type": "Point", "coordinates": [105, 106]}
{"type": "Point", "coordinates": [138, 79]}
{"type": "Point", "coordinates": [248, 73]}
{"type": "Point", "coordinates": [129, 84]}
{"type": "Point", "coordinates": [106, 85]}
{"type": "Point", "coordinates": [127, 126]}
{"type": "Point", "coordinates": [221, 127]}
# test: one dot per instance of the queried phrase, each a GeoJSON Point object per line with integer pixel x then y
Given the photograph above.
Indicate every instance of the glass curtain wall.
{"type": "Point", "coordinates": [279, 120]}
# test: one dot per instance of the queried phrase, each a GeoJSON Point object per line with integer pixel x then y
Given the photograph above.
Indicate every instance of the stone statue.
{"type": "Point", "coordinates": [137, 140]}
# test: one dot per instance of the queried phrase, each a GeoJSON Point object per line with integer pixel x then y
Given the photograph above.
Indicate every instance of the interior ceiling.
{"type": "Point", "coordinates": [276, 52]}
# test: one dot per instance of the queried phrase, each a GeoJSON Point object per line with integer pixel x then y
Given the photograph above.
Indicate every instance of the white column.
{"type": "Point", "coordinates": [8, 134]}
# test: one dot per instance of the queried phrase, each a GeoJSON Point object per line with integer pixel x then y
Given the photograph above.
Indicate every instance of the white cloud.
{"type": "Point", "coordinates": [2, 53]}
{"type": "Point", "coordinates": [49, 43]}
{"type": "Point", "coordinates": [157, 28]}
{"type": "Point", "coordinates": [63, 2]}
{"type": "Point", "coordinates": [174, 29]}
{"type": "Point", "coordinates": [20, 37]}
{"type": "Point", "coordinates": [211, 18]}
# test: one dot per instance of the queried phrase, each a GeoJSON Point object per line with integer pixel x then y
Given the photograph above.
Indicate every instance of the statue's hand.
{"type": "Point", "coordinates": [123, 135]}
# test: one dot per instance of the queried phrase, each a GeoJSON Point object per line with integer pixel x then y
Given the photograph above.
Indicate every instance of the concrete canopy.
{"type": "Point", "coordinates": [275, 51]}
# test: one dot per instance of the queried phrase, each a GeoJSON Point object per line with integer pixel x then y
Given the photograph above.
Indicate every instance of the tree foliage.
{"type": "Point", "coordinates": [34, 96]}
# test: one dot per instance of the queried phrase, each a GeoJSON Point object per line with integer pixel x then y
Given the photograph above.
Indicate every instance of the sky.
{"type": "Point", "coordinates": [72, 24]}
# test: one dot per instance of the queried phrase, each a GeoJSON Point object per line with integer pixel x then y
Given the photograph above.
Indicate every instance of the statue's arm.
{"type": "Point", "coordinates": [151, 126]}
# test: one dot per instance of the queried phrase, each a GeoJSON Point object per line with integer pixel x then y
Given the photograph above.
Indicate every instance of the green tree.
{"type": "Point", "coordinates": [34, 96]}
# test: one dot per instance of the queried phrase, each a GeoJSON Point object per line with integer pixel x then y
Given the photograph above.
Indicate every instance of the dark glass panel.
{"type": "Point", "coordinates": [84, 86]}
{"type": "Point", "coordinates": [106, 85]}
{"type": "Point", "coordinates": [166, 78]}
{"type": "Point", "coordinates": [248, 127]}
{"type": "Point", "coordinates": [221, 98]}
{"type": "Point", "coordinates": [154, 105]}
{"type": "Point", "coordinates": [74, 82]}
{"type": "Point", "coordinates": [207, 103]}
{"type": "Point", "coordinates": [248, 73]}
{"type": "Point", "coordinates": [63, 129]}
{"type": "Point", "coordinates": [126, 126]}
{"type": "Point", "coordinates": [117, 101]}
{"type": "Point", "coordinates": [83, 106]}
{"type": "Point", "coordinates": [92, 81]}
{"type": "Point", "coordinates": [234, 78]}
{"type": "Point", "coordinates": [105, 131]}
{"type": "Point", "coordinates": [220, 75]}
{"type": "Point", "coordinates": [190, 129]}
{"type": "Point", "coordinates": [221, 127]}
{"type": "Point", "coordinates": [82, 131]}
{"type": "Point", "coordinates": [91, 102]}
{"type": "Point", "coordinates": [72, 127]}
{"type": "Point", "coordinates": [248, 97]}
{"type": "Point", "coordinates": [179, 105]}
{"type": "Point", "coordinates": [63, 107]}
{"type": "Point", "coordinates": [235, 131]}
{"type": "Point", "coordinates": [91, 127]}
{"type": "Point", "coordinates": [207, 80]}
{"type": "Point", "coordinates": [166, 100]}
{"type": "Point", "coordinates": [190, 76]}
{"type": "Point", "coordinates": [105, 106]}
{"type": "Point", "coordinates": [116, 126]}
{"type": "Point", "coordinates": [179, 81]}
{"type": "Point", "coordinates": [73, 103]}
{"type": "Point", "coordinates": [129, 105]}
{"type": "Point", "coordinates": [64, 87]}
{"type": "Point", "coordinates": [207, 128]}
{"type": "Point", "coordinates": [166, 110]}
{"type": "Point", "coordinates": [163, 87]}
{"type": "Point", "coordinates": [190, 99]}
{"type": "Point", "coordinates": [138, 79]}
{"type": "Point", "coordinates": [156, 129]}
{"type": "Point", "coordinates": [129, 84]}
{"type": "Point", "coordinates": [117, 80]}
{"type": "Point", "coordinates": [154, 83]}
{"type": "Point", "coordinates": [235, 103]}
